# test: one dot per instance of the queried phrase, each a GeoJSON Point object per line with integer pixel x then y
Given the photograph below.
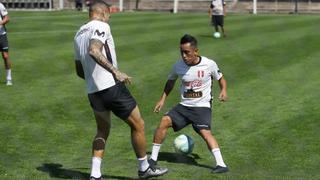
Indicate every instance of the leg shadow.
{"type": "Point", "coordinates": [180, 158]}
{"type": "Point", "coordinates": [57, 171]}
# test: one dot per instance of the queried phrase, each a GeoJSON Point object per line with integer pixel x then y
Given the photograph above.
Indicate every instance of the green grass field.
{"type": "Point", "coordinates": [269, 128]}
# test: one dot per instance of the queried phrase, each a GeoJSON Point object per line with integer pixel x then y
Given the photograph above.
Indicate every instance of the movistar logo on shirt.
{"type": "Point", "coordinates": [97, 32]}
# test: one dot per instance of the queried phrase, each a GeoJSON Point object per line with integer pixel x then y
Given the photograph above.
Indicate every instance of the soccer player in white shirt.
{"type": "Point", "coordinates": [96, 63]}
{"type": "Point", "coordinates": [217, 12]}
{"type": "Point", "coordinates": [4, 45]}
{"type": "Point", "coordinates": [196, 74]}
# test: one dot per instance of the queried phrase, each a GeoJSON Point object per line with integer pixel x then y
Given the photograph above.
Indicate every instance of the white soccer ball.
{"type": "Point", "coordinates": [183, 144]}
{"type": "Point", "coordinates": [216, 35]}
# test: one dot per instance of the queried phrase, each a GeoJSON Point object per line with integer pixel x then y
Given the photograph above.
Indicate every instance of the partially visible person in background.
{"type": "Point", "coordinates": [78, 5]}
{"type": "Point", "coordinates": [4, 45]}
{"type": "Point", "coordinates": [217, 12]}
{"type": "Point", "coordinates": [88, 2]}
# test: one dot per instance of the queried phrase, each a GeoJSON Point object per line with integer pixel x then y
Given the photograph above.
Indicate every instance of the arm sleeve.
{"type": "Point", "coordinates": [3, 10]}
{"type": "Point", "coordinates": [216, 73]}
{"type": "Point", "coordinates": [76, 52]}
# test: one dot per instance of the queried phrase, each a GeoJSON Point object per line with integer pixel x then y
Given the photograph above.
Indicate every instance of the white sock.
{"type": "Point", "coordinates": [155, 151]}
{"type": "Point", "coordinates": [217, 155]}
{"type": "Point", "coordinates": [8, 74]}
{"type": "Point", "coordinates": [95, 168]}
{"type": "Point", "coordinates": [143, 164]}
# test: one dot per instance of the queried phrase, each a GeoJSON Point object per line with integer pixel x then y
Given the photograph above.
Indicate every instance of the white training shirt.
{"type": "Point", "coordinates": [196, 79]}
{"type": "Point", "coordinates": [217, 7]}
{"type": "Point", "coordinates": [97, 78]}
{"type": "Point", "coordinates": [3, 12]}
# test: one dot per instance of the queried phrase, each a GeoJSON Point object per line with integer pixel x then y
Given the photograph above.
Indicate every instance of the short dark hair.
{"type": "Point", "coordinates": [97, 3]}
{"type": "Point", "coordinates": [187, 38]}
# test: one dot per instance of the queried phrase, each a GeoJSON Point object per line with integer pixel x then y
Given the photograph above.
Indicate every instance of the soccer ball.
{"type": "Point", "coordinates": [216, 35]}
{"type": "Point", "coordinates": [183, 144]}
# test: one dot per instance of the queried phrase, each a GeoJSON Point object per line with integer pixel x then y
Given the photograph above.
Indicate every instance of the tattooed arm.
{"type": "Point", "coordinates": [95, 50]}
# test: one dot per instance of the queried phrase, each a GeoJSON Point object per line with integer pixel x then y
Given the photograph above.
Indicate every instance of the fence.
{"type": "Point", "coordinates": [27, 4]}
{"type": "Point", "coordinates": [239, 6]}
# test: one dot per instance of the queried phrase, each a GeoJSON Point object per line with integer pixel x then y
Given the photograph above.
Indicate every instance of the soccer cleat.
{"type": "Point", "coordinates": [152, 172]}
{"type": "Point", "coordinates": [93, 178]}
{"type": "Point", "coordinates": [9, 83]}
{"type": "Point", "coordinates": [220, 169]}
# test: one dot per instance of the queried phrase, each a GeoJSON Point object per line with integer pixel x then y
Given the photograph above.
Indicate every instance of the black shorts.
{"type": "Point", "coordinates": [181, 116]}
{"type": "Point", "coordinates": [4, 45]}
{"type": "Point", "coordinates": [217, 20]}
{"type": "Point", "coordinates": [116, 99]}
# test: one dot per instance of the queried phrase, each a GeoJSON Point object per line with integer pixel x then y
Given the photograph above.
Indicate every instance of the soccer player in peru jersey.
{"type": "Point", "coordinates": [196, 74]}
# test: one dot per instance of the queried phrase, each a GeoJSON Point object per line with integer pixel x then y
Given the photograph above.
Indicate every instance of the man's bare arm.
{"type": "Point", "coordinates": [223, 89]}
{"type": "Point", "coordinates": [167, 89]}
{"type": "Point", "coordinates": [95, 50]}
{"type": "Point", "coordinates": [5, 20]}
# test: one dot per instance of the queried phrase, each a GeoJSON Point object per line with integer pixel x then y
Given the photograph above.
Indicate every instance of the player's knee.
{"type": "Point", "coordinates": [141, 124]}
{"type": "Point", "coordinates": [5, 56]}
{"type": "Point", "coordinates": [165, 122]}
{"type": "Point", "coordinates": [137, 125]}
{"type": "Point", "coordinates": [205, 134]}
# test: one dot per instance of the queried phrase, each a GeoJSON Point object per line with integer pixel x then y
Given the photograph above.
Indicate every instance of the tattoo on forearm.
{"type": "Point", "coordinates": [96, 53]}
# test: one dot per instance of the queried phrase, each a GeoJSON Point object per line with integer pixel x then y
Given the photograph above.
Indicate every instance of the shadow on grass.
{"type": "Point", "coordinates": [57, 171]}
{"type": "Point", "coordinates": [180, 158]}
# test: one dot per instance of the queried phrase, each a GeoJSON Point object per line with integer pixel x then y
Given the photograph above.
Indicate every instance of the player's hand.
{"type": "Point", "coordinates": [223, 96]}
{"type": "Point", "coordinates": [123, 77]}
{"type": "Point", "coordinates": [158, 106]}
